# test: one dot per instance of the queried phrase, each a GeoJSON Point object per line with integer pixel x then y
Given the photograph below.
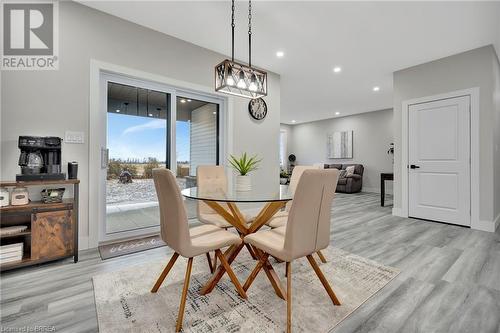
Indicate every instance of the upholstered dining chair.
{"type": "Point", "coordinates": [306, 232]}
{"type": "Point", "coordinates": [279, 220]}
{"type": "Point", "coordinates": [185, 241]}
{"type": "Point", "coordinates": [213, 178]}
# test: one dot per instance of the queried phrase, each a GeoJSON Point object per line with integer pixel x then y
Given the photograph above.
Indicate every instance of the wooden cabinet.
{"type": "Point", "coordinates": [52, 228]}
{"type": "Point", "coordinates": [52, 234]}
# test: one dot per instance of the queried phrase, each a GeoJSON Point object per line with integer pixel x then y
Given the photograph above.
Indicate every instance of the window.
{"type": "Point", "coordinates": [283, 150]}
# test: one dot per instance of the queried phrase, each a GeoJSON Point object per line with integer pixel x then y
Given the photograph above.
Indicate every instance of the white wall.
{"type": "Point", "coordinates": [496, 136]}
{"type": "Point", "coordinates": [462, 71]}
{"type": "Point", "coordinates": [372, 134]}
{"type": "Point", "coordinates": [51, 102]}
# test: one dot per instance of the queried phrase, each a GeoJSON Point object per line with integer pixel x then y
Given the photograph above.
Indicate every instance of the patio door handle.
{"type": "Point", "coordinates": [104, 158]}
{"type": "Point", "coordinates": [413, 166]}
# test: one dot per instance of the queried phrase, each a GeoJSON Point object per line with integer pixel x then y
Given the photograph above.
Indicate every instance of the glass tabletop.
{"type": "Point", "coordinates": [265, 194]}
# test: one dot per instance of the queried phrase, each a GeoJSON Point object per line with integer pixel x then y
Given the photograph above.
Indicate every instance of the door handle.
{"type": "Point", "coordinates": [104, 158]}
{"type": "Point", "coordinates": [413, 166]}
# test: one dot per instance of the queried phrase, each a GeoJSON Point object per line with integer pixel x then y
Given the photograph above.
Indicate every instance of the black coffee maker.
{"type": "Point", "coordinates": [40, 158]}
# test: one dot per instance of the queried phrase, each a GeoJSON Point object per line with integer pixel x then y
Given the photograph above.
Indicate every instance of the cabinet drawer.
{"type": "Point", "coordinates": [52, 234]}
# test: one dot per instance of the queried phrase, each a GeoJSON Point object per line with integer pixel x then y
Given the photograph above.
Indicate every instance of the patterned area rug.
{"type": "Point", "coordinates": [124, 303]}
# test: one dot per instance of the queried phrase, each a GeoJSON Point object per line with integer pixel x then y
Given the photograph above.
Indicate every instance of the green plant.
{"type": "Point", "coordinates": [244, 164]}
{"type": "Point", "coordinates": [152, 163]}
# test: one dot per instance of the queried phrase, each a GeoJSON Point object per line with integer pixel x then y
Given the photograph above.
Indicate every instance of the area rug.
{"type": "Point", "coordinates": [124, 302]}
{"type": "Point", "coordinates": [118, 249]}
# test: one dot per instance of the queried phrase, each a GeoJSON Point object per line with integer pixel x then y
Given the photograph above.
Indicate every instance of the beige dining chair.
{"type": "Point", "coordinates": [280, 218]}
{"type": "Point", "coordinates": [185, 241]}
{"type": "Point", "coordinates": [212, 178]}
{"type": "Point", "coordinates": [306, 232]}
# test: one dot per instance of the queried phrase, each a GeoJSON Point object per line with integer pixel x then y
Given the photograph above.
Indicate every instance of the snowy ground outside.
{"type": "Point", "coordinates": [139, 191]}
{"type": "Point", "coordinates": [135, 205]}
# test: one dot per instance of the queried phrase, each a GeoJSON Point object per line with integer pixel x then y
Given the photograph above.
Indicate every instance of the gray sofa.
{"type": "Point", "coordinates": [352, 183]}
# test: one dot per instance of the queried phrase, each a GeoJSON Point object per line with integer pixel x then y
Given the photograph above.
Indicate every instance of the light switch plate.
{"type": "Point", "coordinates": [74, 137]}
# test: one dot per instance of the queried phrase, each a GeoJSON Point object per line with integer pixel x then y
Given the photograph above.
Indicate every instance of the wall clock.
{"type": "Point", "coordinates": [257, 108]}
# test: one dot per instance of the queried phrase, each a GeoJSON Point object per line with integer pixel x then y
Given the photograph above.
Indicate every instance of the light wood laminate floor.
{"type": "Point", "coordinates": [450, 279]}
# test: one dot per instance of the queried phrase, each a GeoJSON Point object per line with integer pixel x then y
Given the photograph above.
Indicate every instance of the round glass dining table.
{"type": "Point", "coordinates": [259, 194]}
{"type": "Point", "coordinates": [224, 202]}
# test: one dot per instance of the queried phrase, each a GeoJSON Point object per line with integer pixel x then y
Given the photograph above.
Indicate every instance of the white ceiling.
{"type": "Point", "coordinates": [369, 40]}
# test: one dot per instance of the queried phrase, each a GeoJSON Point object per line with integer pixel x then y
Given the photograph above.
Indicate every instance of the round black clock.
{"type": "Point", "coordinates": [257, 108]}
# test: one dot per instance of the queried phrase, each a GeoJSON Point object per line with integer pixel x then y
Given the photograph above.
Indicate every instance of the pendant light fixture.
{"type": "Point", "coordinates": [238, 79]}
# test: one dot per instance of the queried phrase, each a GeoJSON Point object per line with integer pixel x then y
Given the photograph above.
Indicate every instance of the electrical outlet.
{"type": "Point", "coordinates": [74, 137]}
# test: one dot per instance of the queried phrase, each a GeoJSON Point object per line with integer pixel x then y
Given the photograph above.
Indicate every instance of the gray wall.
{"type": "Point", "coordinates": [51, 102]}
{"type": "Point", "coordinates": [371, 138]}
{"type": "Point", "coordinates": [462, 71]}
{"type": "Point", "coordinates": [496, 135]}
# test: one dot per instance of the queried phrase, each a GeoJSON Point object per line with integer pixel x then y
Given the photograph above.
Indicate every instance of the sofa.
{"type": "Point", "coordinates": [349, 184]}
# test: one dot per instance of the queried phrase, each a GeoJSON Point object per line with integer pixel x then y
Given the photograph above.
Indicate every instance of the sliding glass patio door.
{"type": "Point", "coordinates": [137, 142]}
{"type": "Point", "coordinates": [149, 125]}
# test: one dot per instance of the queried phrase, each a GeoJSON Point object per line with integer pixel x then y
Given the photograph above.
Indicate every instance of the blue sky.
{"type": "Point", "coordinates": [140, 137]}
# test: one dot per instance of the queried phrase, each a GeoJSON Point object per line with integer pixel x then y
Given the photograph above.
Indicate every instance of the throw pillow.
{"type": "Point", "coordinates": [342, 173]}
{"type": "Point", "coordinates": [350, 170]}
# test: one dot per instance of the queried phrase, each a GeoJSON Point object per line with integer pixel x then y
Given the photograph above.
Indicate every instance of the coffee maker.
{"type": "Point", "coordinates": [40, 158]}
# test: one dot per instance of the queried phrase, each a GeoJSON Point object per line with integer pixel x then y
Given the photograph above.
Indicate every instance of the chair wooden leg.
{"type": "Point", "coordinates": [288, 297]}
{"type": "Point", "coordinates": [323, 280]}
{"type": "Point", "coordinates": [231, 274]}
{"type": "Point", "coordinates": [182, 306]}
{"type": "Point", "coordinates": [255, 271]}
{"type": "Point", "coordinates": [215, 262]}
{"type": "Point", "coordinates": [210, 263]}
{"type": "Point", "coordinates": [250, 250]}
{"type": "Point", "coordinates": [272, 276]}
{"type": "Point", "coordinates": [163, 274]}
{"type": "Point", "coordinates": [321, 257]}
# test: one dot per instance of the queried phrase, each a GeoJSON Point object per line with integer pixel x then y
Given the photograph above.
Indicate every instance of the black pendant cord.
{"type": "Point", "coordinates": [232, 30]}
{"type": "Point", "coordinates": [249, 33]}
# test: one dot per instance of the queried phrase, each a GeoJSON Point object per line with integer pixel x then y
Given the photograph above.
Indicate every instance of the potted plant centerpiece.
{"type": "Point", "coordinates": [244, 165]}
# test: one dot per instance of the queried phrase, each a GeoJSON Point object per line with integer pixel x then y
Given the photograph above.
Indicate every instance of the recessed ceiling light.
{"type": "Point", "coordinates": [189, 100]}
{"type": "Point", "coordinates": [150, 114]}
{"type": "Point", "coordinates": [280, 54]}
{"type": "Point", "coordinates": [376, 88]}
{"type": "Point", "coordinates": [337, 113]}
{"type": "Point", "coordinates": [117, 110]}
{"type": "Point", "coordinates": [294, 121]}
{"type": "Point", "coordinates": [337, 69]}
{"type": "Point", "coordinates": [183, 101]}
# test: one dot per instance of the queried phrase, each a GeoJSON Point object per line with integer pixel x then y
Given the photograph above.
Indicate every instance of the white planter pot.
{"type": "Point", "coordinates": [243, 183]}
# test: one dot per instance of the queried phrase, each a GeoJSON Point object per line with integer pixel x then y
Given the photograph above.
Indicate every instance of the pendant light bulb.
{"type": "Point", "coordinates": [230, 80]}
{"type": "Point", "coordinates": [241, 81]}
{"type": "Point", "coordinates": [253, 83]}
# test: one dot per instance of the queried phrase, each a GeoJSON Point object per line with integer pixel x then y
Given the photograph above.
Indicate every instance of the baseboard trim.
{"type": "Point", "coordinates": [483, 225]}
{"type": "Point", "coordinates": [83, 243]}
{"type": "Point", "coordinates": [398, 212]}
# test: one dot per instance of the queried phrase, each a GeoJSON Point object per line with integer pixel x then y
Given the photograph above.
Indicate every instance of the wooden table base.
{"type": "Point", "coordinates": [236, 219]}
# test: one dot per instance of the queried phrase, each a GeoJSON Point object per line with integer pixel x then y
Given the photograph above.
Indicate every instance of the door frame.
{"type": "Point", "coordinates": [97, 209]}
{"type": "Point", "coordinates": [473, 94]}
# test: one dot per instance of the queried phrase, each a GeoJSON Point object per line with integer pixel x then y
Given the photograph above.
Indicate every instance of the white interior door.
{"type": "Point", "coordinates": [439, 160]}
